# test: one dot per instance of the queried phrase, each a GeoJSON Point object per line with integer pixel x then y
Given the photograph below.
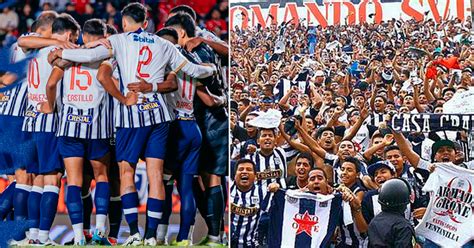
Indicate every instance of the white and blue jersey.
{"type": "Point", "coordinates": [87, 111]}
{"type": "Point", "coordinates": [13, 102]}
{"type": "Point", "coordinates": [302, 219]}
{"type": "Point", "coordinates": [245, 213]}
{"type": "Point", "coordinates": [350, 235]}
{"type": "Point", "coordinates": [145, 55]}
{"type": "Point", "coordinates": [38, 74]}
{"type": "Point", "coordinates": [270, 169]}
{"type": "Point", "coordinates": [182, 100]}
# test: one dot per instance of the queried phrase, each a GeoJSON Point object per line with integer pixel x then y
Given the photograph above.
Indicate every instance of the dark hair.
{"type": "Point", "coordinates": [362, 95]}
{"type": "Point", "coordinates": [168, 31]}
{"type": "Point", "coordinates": [391, 148]}
{"type": "Point", "coordinates": [34, 26]}
{"type": "Point", "coordinates": [65, 22]}
{"type": "Point", "coordinates": [184, 21]}
{"type": "Point", "coordinates": [45, 19]}
{"type": "Point", "coordinates": [136, 11]}
{"type": "Point", "coordinates": [95, 27]}
{"type": "Point", "coordinates": [264, 129]}
{"type": "Point", "coordinates": [354, 161]}
{"type": "Point", "coordinates": [377, 135]}
{"type": "Point", "coordinates": [111, 29]}
{"type": "Point", "coordinates": [306, 156]}
{"type": "Point", "coordinates": [319, 169]}
{"type": "Point", "coordinates": [448, 89]}
{"type": "Point", "coordinates": [186, 9]}
{"type": "Point", "coordinates": [244, 161]}
{"type": "Point", "coordinates": [383, 98]}
{"type": "Point", "coordinates": [320, 131]}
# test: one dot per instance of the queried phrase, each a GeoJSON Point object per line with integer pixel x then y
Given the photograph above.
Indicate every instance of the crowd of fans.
{"type": "Point", "coordinates": [335, 86]}
{"type": "Point", "coordinates": [16, 17]}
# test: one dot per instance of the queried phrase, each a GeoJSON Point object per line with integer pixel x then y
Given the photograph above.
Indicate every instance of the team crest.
{"type": "Point", "coordinates": [254, 200]}
{"type": "Point", "coordinates": [305, 223]}
{"type": "Point", "coordinates": [291, 200]}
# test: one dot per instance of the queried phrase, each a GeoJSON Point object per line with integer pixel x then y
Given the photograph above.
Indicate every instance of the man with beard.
{"type": "Point", "coordinates": [304, 163]}
{"type": "Point", "coordinates": [246, 202]}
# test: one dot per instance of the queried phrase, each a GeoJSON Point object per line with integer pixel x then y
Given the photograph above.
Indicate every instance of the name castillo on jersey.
{"type": "Point", "coordinates": [88, 109]}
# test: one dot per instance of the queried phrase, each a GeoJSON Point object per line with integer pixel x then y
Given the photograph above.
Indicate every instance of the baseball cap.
{"type": "Point", "coordinates": [378, 165]}
{"type": "Point", "coordinates": [440, 143]}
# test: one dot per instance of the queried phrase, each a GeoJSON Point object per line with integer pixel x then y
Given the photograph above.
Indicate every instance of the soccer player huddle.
{"type": "Point", "coordinates": [93, 112]}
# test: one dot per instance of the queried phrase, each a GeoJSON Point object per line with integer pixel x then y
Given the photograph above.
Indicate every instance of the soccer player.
{"type": "Point", "coordinates": [39, 37]}
{"type": "Point", "coordinates": [141, 128]}
{"type": "Point", "coordinates": [43, 126]}
{"type": "Point", "coordinates": [86, 125]}
{"type": "Point", "coordinates": [183, 151]}
{"type": "Point", "coordinates": [213, 123]}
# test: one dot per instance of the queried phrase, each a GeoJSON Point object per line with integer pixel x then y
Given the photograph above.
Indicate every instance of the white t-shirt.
{"type": "Point", "coordinates": [449, 219]}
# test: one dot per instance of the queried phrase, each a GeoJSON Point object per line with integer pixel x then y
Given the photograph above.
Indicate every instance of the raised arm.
{"type": "Point", "coordinates": [309, 141]}
{"type": "Point", "coordinates": [297, 145]}
{"type": "Point", "coordinates": [364, 113]}
{"type": "Point", "coordinates": [405, 148]}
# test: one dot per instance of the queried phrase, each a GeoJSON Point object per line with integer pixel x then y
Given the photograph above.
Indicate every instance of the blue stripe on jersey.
{"type": "Point", "coordinates": [303, 239]}
{"type": "Point", "coordinates": [152, 117]}
{"type": "Point", "coordinates": [130, 116]}
{"type": "Point", "coordinates": [336, 210]}
{"type": "Point", "coordinates": [277, 216]}
{"type": "Point", "coordinates": [121, 117]}
{"type": "Point", "coordinates": [140, 119]}
{"type": "Point", "coordinates": [99, 120]}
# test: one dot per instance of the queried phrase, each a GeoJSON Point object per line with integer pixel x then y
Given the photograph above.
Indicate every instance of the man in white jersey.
{"type": "Point", "coordinates": [44, 126]}
{"type": "Point", "coordinates": [141, 128]}
{"type": "Point", "coordinates": [183, 151]}
{"type": "Point", "coordinates": [85, 127]}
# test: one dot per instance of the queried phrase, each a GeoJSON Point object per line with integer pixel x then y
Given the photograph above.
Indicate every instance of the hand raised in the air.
{"type": "Point", "coordinates": [141, 86]}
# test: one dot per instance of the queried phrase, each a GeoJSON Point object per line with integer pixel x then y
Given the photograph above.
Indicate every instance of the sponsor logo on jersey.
{"type": "Point", "coordinates": [243, 211]}
{"type": "Point", "coordinates": [143, 39]}
{"type": "Point", "coordinates": [148, 106]}
{"type": "Point", "coordinates": [4, 98]}
{"type": "Point", "coordinates": [87, 119]}
{"type": "Point", "coordinates": [31, 114]}
{"type": "Point", "coordinates": [269, 174]}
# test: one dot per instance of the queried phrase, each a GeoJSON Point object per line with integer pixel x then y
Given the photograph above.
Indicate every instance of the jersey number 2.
{"type": "Point", "coordinates": [145, 59]}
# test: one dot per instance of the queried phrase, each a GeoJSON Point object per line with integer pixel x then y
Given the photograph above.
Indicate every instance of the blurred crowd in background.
{"type": "Point", "coordinates": [16, 17]}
